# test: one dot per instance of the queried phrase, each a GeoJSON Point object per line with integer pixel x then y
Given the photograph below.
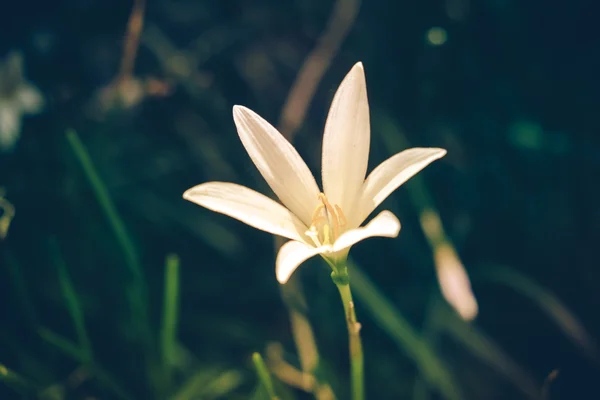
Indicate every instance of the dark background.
{"type": "Point", "coordinates": [512, 94]}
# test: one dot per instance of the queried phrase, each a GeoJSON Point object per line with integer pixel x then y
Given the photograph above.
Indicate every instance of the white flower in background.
{"type": "Point", "coordinates": [327, 223]}
{"type": "Point", "coordinates": [454, 282]}
{"type": "Point", "coordinates": [18, 97]}
{"type": "Point", "coordinates": [452, 277]}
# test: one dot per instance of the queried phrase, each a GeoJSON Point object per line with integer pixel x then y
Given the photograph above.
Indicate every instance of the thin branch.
{"type": "Point", "coordinates": [132, 40]}
{"type": "Point", "coordinates": [316, 63]}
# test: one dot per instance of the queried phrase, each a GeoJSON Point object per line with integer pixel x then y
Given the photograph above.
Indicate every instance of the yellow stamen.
{"type": "Point", "coordinates": [326, 234]}
{"type": "Point", "coordinates": [331, 211]}
{"type": "Point", "coordinates": [340, 215]}
{"type": "Point", "coordinates": [327, 221]}
{"type": "Point", "coordinates": [316, 213]}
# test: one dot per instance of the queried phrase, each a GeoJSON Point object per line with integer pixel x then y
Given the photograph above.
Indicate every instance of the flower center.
{"type": "Point", "coordinates": [327, 223]}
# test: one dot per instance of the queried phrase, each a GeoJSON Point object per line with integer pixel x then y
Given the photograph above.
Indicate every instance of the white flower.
{"type": "Point", "coordinates": [327, 223]}
{"type": "Point", "coordinates": [17, 98]}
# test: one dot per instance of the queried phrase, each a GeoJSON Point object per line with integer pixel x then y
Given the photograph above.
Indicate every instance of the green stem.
{"type": "Point", "coordinates": [264, 376]}
{"type": "Point", "coordinates": [341, 280]}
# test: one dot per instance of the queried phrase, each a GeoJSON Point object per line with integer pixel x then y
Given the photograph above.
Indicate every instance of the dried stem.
{"type": "Point", "coordinates": [132, 40]}
{"type": "Point", "coordinates": [314, 66]}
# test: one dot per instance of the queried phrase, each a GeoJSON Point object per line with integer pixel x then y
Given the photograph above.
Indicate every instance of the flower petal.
{"type": "Point", "coordinates": [384, 225]}
{"type": "Point", "coordinates": [346, 141]}
{"type": "Point", "coordinates": [454, 282]}
{"type": "Point", "coordinates": [291, 255]}
{"type": "Point", "coordinates": [278, 162]}
{"type": "Point", "coordinates": [247, 206]}
{"type": "Point", "coordinates": [392, 173]}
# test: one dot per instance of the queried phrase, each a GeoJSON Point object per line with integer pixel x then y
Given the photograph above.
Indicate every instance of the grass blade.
{"type": "Point", "coordinates": [73, 351]}
{"type": "Point", "coordinates": [63, 344]}
{"type": "Point", "coordinates": [548, 302]}
{"type": "Point", "coordinates": [107, 205]}
{"type": "Point", "coordinates": [137, 291]}
{"type": "Point", "coordinates": [209, 384]}
{"type": "Point", "coordinates": [73, 305]}
{"type": "Point", "coordinates": [480, 345]}
{"type": "Point", "coordinates": [263, 375]}
{"type": "Point", "coordinates": [168, 333]}
{"type": "Point", "coordinates": [16, 381]}
{"type": "Point", "coordinates": [20, 287]}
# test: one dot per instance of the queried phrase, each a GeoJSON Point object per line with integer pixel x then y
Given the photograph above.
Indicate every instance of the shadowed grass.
{"type": "Point", "coordinates": [548, 302]}
{"type": "Point", "coordinates": [63, 344]}
{"type": "Point", "coordinates": [73, 351]}
{"type": "Point", "coordinates": [170, 317]}
{"type": "Point", "coordinates": [73, 305]}
{"type": "Point", "coordinates": [406, 337]}
{"type": "Point", "coordinates": [20, 288]}
{"type": "Point", "coordinates": [137, 291]}
{"type": "Point", "coordinates": [442, 319]}
{"type": "Point", "coordinates": [482, 346]}
{"type": "Point", "coordinates": [108, 207]}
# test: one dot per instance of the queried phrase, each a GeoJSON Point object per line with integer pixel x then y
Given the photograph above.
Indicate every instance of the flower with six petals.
{"type": "Point", "coordinates": [327, 223]}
